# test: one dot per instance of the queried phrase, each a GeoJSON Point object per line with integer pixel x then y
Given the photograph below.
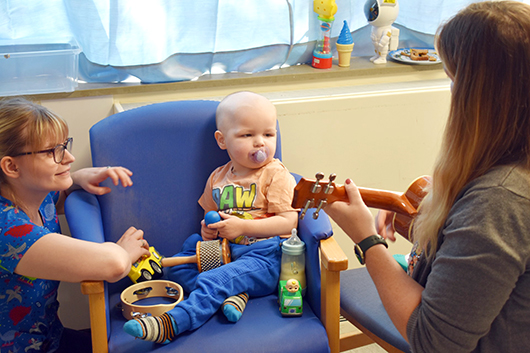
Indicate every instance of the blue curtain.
{"type": "Point", "coordinates": [174, 40]}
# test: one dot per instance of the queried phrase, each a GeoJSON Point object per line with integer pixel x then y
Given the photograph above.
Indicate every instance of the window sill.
{"type": "Point", "coordinates": [361, 72]}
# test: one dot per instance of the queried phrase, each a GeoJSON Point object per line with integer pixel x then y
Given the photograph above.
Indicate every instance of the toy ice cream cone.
{"type": "Point", "coordinates": [344, 51]}
{"type": "Point", "coordinates": [344, 46]}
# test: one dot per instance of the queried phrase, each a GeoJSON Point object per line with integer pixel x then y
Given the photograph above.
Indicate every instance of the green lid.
{"type": "Point", "coordinates": [293, 249]}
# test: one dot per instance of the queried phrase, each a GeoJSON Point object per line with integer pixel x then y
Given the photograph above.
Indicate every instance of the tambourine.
{"type": "Point", "coordinates": [209, 255]}
{"type": "Point", "coordinates": [149, 289]}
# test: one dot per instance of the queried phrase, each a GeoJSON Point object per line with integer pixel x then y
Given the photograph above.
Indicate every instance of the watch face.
{"type": "Point", "coordinates": [359, 253]}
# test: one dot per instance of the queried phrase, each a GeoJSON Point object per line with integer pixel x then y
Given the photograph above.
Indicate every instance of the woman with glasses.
{"type": "Point", "coordinates": [35, 175]}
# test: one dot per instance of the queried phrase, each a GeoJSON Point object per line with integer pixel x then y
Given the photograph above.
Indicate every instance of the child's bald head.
{"type": "Point", "coordinates": [237, 104]}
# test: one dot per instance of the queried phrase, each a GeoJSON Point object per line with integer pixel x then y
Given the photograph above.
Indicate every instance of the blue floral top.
{"type": "Point", "coordinates": [28, 306]}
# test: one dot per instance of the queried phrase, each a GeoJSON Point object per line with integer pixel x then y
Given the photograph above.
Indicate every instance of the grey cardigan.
{"type": "Point", "coordinates": [477, 289]}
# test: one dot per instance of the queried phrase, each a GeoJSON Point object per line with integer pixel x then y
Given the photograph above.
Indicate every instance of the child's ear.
{"type": "Point", "coordinates": [220, 140]}
{"type": "Point", "coordinates": [9, 167]}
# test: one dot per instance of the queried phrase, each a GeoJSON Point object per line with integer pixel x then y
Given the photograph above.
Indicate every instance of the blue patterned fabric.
{"type": "Point", "coordinates": [28, 306]}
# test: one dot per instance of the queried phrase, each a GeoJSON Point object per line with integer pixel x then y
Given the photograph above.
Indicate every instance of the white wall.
{"type": "Point", "coordinates": [381, 135]}
{"type": "Point", "coordinates": [381, 140]}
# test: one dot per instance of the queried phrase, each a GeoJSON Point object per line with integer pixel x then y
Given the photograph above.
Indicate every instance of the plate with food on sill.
{"type": "Point", "coordinates": [416, 56]}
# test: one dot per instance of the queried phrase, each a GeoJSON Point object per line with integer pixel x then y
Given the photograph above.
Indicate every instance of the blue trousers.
{"type": "Point", "coordinates": [254, 269]}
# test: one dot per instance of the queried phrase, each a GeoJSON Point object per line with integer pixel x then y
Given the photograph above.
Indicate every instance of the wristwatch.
{"type": "Point", "coordinates": [364, 245]}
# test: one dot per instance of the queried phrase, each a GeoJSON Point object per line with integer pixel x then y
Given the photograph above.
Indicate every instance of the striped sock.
{"type": "Point", "coordinates": [234, 306]}
{"type": "Point", "coordinates": [159, 329]}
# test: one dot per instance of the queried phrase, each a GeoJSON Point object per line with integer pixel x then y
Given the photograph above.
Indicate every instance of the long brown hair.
{"type": "Point", "coordinates": [486, 49]}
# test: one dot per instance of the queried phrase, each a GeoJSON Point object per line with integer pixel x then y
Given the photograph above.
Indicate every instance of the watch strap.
{"type": "Point", "coordinates": [367, 243]}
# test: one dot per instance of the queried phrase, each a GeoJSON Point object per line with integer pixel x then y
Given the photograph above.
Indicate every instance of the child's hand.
{"type": "Point", "coordinates": [89, 178]}
{"type": "Point", "coordinates": [207, 233]}
{"type": "Point", "coordinates": [229, 228]}
{"type": "Point", "coordinates": [134, 243]}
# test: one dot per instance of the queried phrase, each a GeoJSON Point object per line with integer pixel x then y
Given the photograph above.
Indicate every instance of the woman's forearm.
{"type": "Point", "coordinates": [399, 293]}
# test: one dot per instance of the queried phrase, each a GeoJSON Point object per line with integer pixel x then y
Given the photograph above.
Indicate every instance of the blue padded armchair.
{"type": "Point", "coordinates": [360, 304]}
{"type": "Point", "coordinates": [170, 148]}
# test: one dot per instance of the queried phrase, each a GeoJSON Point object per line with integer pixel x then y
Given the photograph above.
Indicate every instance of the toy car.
{"type": "Point", "coordinates": [147, 268]}
{"type": "Point", "coordinates": [290, 298]}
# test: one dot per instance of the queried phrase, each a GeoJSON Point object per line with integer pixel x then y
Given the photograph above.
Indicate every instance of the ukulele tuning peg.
{"type": "Point", "coordinates": [307, 205]}
{"type": "Point", "coordinates": [329, 187]}
{"type": "Point", "coordinates": [316, 187]}
{"type": "Point", "coordinates": [321, 204]}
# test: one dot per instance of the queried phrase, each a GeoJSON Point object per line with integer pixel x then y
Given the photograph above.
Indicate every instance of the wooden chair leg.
{"type": "Point", "coordinates": [333, 260]}
{"type": "Point", "coordinates": [98, 322]}
{"type": "Point", "coordinates": [385, 345]}
{"type": "Point", "coordinates": [352, 340]}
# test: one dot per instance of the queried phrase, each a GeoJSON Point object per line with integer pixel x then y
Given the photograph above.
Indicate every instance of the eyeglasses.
{"type": "Point", "coordinates": [58, 151]}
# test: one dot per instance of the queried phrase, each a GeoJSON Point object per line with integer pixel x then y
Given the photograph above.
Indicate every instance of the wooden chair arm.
{"type": "Point", "coordinates": [332, 256]}
{"type": "Point", "coordinates": [98, 318]}
{"type": "Point", "coordinates": [332, 261]}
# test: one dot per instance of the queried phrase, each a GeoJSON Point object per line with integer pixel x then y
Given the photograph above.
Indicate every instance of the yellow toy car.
{"type": "Point", "coordinates": [147, 268]}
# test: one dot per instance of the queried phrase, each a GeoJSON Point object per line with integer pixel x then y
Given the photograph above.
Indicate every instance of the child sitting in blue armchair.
{"type": "Point", "coordinates": [252, 181]}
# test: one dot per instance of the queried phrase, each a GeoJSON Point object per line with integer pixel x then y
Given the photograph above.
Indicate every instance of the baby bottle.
{"type": "Point", "coordinates": [293, 260]}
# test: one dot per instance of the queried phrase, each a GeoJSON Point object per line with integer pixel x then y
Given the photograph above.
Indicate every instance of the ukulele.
{"type": "Point", "coordinates": [318, 193]}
